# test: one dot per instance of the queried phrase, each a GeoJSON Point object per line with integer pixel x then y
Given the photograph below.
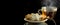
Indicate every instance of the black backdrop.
{"type": "Point", "coordinates": [30, 6]}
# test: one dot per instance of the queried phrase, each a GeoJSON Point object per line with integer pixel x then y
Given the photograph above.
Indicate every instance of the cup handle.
{"type": "Point", "coordinates": [39, 12]}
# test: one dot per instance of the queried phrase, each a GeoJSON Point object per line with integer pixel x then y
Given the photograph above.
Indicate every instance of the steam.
{"type": "Point", "coordinates": [49, 3]}
{"type": "Point", "coordinates": [50, 6]}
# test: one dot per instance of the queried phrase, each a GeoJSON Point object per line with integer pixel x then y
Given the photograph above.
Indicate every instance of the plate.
{"type": "Point", "coordinates": [35, 21]}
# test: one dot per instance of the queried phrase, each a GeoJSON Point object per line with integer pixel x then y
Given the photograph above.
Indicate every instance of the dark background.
{"type": "Point", "coordinates": [31, 6]}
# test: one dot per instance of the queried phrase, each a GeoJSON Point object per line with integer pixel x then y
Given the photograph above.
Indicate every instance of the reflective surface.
{"type": "Point", "coordinates": [42, 23]}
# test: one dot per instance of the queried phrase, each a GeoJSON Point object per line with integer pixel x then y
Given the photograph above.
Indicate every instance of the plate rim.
{"type": "Point", "coordinates": [35, 21]}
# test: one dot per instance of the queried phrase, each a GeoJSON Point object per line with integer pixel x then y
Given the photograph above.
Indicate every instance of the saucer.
{"type": "Point", "coordinates": [35, 21]}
